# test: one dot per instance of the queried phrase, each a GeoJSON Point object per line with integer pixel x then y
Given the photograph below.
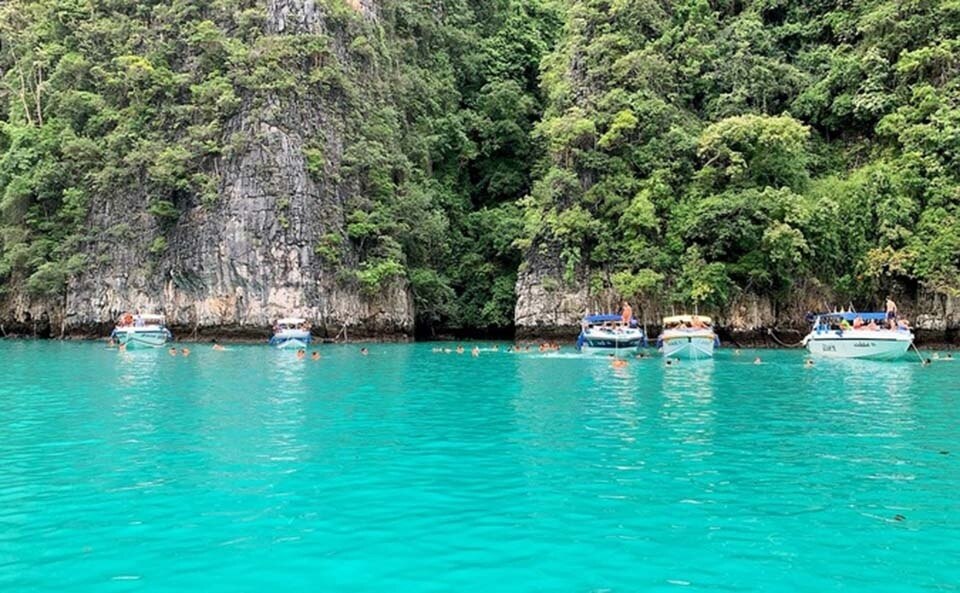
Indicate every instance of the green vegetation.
{"type": "Point", "coordinates": [712, 148]}
{"type": "Point", "coordinates": [690, 152]}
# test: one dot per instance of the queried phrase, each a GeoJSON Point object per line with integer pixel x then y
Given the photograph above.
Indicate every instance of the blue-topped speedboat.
{"type": "Point", "coordinates": [870, 336]}
{"type": "Point", "coordinates": [291, 332]}
{"type": "Point", "coordinates": [608, 334]}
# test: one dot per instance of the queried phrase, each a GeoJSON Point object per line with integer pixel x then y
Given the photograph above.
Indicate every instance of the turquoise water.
{"type": "Point", "coordinates": [412, 471]}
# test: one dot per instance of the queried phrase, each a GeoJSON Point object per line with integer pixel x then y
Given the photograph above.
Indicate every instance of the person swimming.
{"type": "Point", "coordinates": [757, 360]}
{"type": "Point", "coordinates": [460, 349]}
{"type": "Point", "coordinates": [172, 352]}
{"type": "Point", "coordinates": [185, 351]}
{"type": "Point", "coordinates": [301, 354]}
{"type": "Point", "coordinates": [808, 363]}
{"type": "Point", "coordinates": [618, 363]}
{"type": "Point", "coordinates": [314, 355]}
{"type": "Point", "coordinates": [364, 352]}
{"type": "Point", "coordinates": [475, 352]}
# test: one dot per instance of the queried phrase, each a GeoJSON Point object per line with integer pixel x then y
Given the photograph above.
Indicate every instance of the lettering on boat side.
{"type": "Point", "coordinates": [864, 345]}
{"type": "Point", "coordinates": [827, 348]}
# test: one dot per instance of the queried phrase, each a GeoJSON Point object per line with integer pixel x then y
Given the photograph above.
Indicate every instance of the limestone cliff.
{"type": "Point", "coordinates": [248, 258]}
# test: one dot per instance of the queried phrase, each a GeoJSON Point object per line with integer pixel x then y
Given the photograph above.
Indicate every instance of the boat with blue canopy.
{"type": "Point", "coordinates": [849, 334]}
{"type": "Point", "coordinates": [607, 333]}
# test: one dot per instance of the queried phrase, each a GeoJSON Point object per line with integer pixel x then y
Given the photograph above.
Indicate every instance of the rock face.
{"type": "Point", "coordinates": [242, 262]}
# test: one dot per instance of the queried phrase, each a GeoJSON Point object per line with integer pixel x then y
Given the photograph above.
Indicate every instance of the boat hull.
{"type": "Point", "coordinates": [142, 339]}
{"type": "Point", "coordinates": [623, 348]}
{"type": "Point", "coordinates": [291, 338]}
{"type": "Point", "coordinates": [859, 345]}
{"type": "Point", "coordinates": [623, 342]}
{"type": "Point", "coordinates": [689, 346]}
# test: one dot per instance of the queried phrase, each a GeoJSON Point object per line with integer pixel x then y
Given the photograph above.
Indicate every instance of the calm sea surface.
{"type": "Point", "coordinates": [406, 470]}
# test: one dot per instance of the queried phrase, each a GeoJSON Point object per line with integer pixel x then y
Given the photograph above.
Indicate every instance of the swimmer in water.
{"type": "Point", "coordinates": [618, 363]}
{"type": "Point", "coordinates": [185, 351]}
{"type": "Point", "coordinates": [217, 347]}
{"type": "Point", "coordinates": [111, 343]}
{"type": "Point", "coordinates": [475, 352]}
{"type": "Point", "coordinates": [301, 354]}
{"type": "Point", "coordinates": [460, 349]}
{"type": "Point", "coordinates": [364, 352]}
{"type": "Point", "coordinates": [172, 352]}
{"type": "Point", "coordinates": [757, 360]}
{"type": "Point", "coordinates": [926, 362]}
{"type": "Point", "coordinates": [808, 363]}
{"type": "Point", "coordinates": [736, 352]}
{"type": "Point", "coordinates": [314, 355]}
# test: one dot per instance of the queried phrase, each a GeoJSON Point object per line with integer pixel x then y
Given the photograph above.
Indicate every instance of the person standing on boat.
{"type": "Point", "coordinates": [891, 312]}
{"type": "Point", "coordinates": [626, 313]}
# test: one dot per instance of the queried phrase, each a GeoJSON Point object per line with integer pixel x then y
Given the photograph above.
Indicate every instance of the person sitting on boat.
{"type": "Point", "coordinates": [626, 313]}
{"type": "Point", "coordinates": [138, 319]}
{"type": "Point", "coordinates": [127, 320]}
{"type": "Point", "coordinates": [857, 322]}
{"type": "Point", "coordinates": [844, 324]}
{"type": "Point", "coordinates": [903, 324]}
{"type": "Point", "coordinates": [872, 326]}
{"type": "Point", "coordinates": [697, 323]}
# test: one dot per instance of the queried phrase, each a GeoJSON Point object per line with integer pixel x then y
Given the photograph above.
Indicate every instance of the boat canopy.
{"type": "Point", "coordinates": [603, 318]}
{"type": "Point", "coordinates": [850, 316]}
{"type": "Point", "coordinates": [151, 318]}
{"type": "Point", "coordinates": [686, 319]}
{"type": "Point", "coordinates": [291, 321]}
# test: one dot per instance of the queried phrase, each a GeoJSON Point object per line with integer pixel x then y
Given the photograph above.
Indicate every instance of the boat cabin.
{"type": "Point", "coordinates": [288, 323]}
{"type": "Point", "coordinates": [140, 320]}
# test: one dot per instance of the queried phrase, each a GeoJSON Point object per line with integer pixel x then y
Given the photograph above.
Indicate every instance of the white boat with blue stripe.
{"type": "Point", "coordinates": [866, 336]}
{"type": "Point", "coordinates": [608, 334]}
{"type": "Point", "coordinates": [291, 332]}
{"type": "Point", "coordinates": [141, 331]}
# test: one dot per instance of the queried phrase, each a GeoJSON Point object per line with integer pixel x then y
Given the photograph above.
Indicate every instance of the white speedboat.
{"type": "Point", "coordinates": [607, 334]}
{"type": "Point", "coordinates": [687, 336]}
{"type": "Point", "coordinates": [141, 331]}
{"type": "Point", "coordinates": [857, 335]}
{"type": "Point", "coordinates": [291, 332]}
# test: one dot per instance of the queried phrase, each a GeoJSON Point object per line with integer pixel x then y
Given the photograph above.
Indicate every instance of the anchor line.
{"type": "Point", "coordinates": [917, 350]}
{"type": "Point", "coordinates": [778, 341]}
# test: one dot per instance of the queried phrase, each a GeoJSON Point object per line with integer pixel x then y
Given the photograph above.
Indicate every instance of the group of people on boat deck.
{"type": "Point", "coordinates": [695, 322]}
{"type": "Point", "coordinates": [892, 322]}
{"type": "Point", "coordinates": [131, 320]}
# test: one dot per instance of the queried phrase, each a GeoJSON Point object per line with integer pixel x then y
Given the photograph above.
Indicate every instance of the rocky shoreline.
{"type": "Point", "coordinates": [779, 338]}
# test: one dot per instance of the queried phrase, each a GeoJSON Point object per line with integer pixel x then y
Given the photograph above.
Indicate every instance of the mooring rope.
{"type": "Point", "coordinates": [778, 341]}
{"type": "Point", "coordinates": [917, 350]}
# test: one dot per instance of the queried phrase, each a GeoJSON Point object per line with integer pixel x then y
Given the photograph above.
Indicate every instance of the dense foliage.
{"type": "Point", "coordinates": [699, 149]}
{"type": "Point", "coordinates": [687, 151]}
